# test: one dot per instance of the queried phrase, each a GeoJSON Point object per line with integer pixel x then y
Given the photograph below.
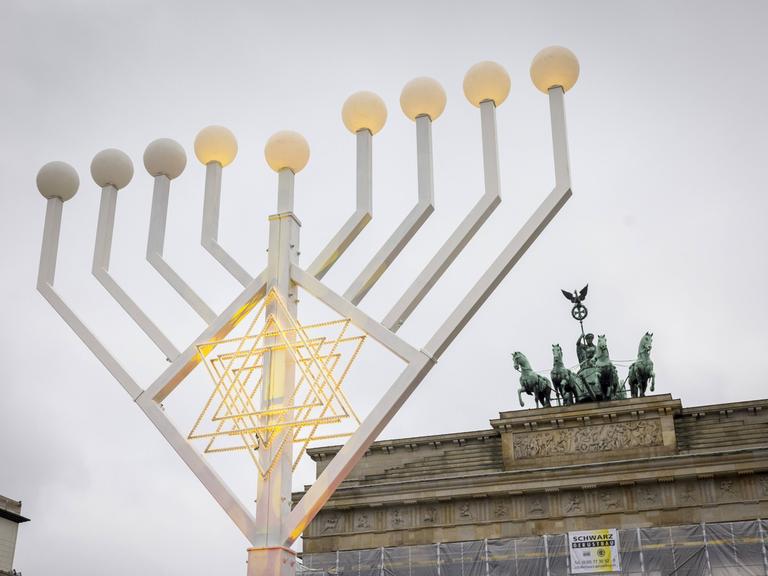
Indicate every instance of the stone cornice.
{"type": "Point", "coordinates": [328, 452]}
{"type": "Point", "coordinates": [467, 485]}
{"type": "Point", "coordinates": [727, 408]}
{"type": "Point", "coordinates": [579, 414]}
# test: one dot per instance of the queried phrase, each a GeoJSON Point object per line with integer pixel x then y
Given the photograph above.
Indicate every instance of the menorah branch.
{"type": "Point", "coordinates": [461, 236]}
{"type": "Point", "coordinates": [210, 232]}
{"type": "Point", "coordinates": [101, 257]}
{"type": "Point", "coordinates": [45, 281]}
{"type": "Point", "coordinates": [155, 246]}
{"type": "Point", "coordinates": [559, 137]}
{"type": "Point", "coordinates": [522, 240]}
{"type": "Point", "coordinates": [361, 216]}
{"type": "Point", "coordinates": [407, 229]}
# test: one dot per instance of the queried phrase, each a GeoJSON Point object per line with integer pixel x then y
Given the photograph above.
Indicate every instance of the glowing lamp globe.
{"type": "Point", "coordinates": [215, 144]}
{"type": "Point", "coordinates": [554, 66]}
{"type": "Point", "coordinates": [423, 97]}
{"type": "Point", "coordinates": [165, 157]}
{"type": "Point", "coordinates": [486, 81]}
{"type": "Point", "coordinates": [287, 149]}
{"type": "Point", "coordinates": [364, 111]}
{"type": "Point", "coordinates": [112, 167]}
{"type": "Point", "coordinates": [58, 180]}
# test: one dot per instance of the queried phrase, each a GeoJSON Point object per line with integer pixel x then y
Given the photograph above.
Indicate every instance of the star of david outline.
{"type": "Point", "coordinates": [238, 379]}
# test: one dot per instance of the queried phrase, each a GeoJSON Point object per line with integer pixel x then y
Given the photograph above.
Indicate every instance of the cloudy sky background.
{"type": "Point", "coordinates": [667, 222]}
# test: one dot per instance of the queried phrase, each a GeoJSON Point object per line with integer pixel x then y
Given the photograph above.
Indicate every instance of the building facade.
{"type": "Point", "coordinates": [635, 464]}
{"type": "Point", "coordinates": [10, 518]}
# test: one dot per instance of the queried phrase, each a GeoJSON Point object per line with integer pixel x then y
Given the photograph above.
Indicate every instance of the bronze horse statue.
{"type": "Point", "coordinates": [607, 376]}
{"type": "Point", "coordinates": [569, 387]}
{"type": "Point", "coordinates": [532, 383]}
{"type": "Point", "coordinates": [641, 371]}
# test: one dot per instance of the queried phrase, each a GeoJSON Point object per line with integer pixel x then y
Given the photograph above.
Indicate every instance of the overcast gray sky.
{"type": "Point", "coordinates": [667, 222]}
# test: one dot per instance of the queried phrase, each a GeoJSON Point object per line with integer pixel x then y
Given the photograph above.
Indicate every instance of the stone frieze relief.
{"type": "Point", "coordinates": [596, 438]}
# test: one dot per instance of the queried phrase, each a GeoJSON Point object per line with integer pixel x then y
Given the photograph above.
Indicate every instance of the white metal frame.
{"type": "Point", "coordinates": [275, 527]}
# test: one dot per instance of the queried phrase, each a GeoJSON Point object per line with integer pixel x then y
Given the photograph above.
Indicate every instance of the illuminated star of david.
{"type": "Point", "coordinates": [234, 416]}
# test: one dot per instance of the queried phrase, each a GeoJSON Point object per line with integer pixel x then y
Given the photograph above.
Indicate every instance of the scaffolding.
{"type": "Point", "coordinates": [711, 549]}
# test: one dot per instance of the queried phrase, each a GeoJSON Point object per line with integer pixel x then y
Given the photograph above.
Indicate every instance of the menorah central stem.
{"type": "Point", "coordinates": [276, 448]}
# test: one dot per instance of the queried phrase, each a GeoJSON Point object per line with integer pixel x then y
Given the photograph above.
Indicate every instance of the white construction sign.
{"type": "Point", "coordinates": [594, 551]}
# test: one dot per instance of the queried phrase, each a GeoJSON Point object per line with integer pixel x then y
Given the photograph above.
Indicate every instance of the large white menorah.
{"type": "Point", "coordinates": [279, 382]}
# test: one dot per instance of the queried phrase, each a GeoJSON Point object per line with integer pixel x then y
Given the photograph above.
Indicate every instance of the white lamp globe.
{"type": "Point", "coordinates": [165, 157]}
{"type": "Point", "coordinates": [554, 66]}
{"type": "Point", "coordinates": [486, 81]}
{"type": "Point", "coordinates": [287, 149]}
{"type": "Point", "coordinates": [423, 96]}
{"type": "Point", "coordinates": [112, 167]}
{"type": "Point", "coordinates": [58, 180]}
{"type": "Point", "coordinates": [364, 111]}
{"type": "Point", "coordinates": [215, 144]}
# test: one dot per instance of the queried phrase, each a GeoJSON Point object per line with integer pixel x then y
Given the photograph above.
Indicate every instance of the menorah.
{"type": "Point", "coordinates": [278, 384]}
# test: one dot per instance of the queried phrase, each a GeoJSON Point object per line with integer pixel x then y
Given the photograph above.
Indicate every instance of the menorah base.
{"type": "Point", "coordinates": [274, 561]}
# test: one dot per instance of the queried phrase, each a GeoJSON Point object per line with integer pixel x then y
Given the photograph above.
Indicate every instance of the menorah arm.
{"type": "Point", "coordinates": [215, 485]}
{"type": "Point", "coordinates": [185, 362]}
{"type": "Point", "coordinates": [45, 280]}
{"type": "Point", "coordinates": [412, 222]}
{"type": "Point", "coordinates": [351, 453]}
{"type": "Point", "coordinates": [156, 244]}
{"type": "Point", "coordinates": [522, 240]}
{"type": "Point", "coordinates": [101, 255]}
{"type": "Point", "coordinates": [359, 219]}
{"type": "Point", "coordinates": [461, 236]}
{"type": "Point", "coordinates": [344, 308]}
{"type": "Point", "coordinates": [209, 237]}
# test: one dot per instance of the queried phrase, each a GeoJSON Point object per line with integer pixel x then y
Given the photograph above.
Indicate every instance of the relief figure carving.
{"type": "Point", "coordinates": [536, 506]}
{"type": "Point", "coordinates": [728, 489]}
{"type": "Point", "coordinates": [609, 500]}
{"type": "Point", "coordinates": [688, 494]}
{"type": "Point", "coordinates": [430, 514]}
{"type": "Point", "coordinates": [397, 518]}
{"type": "Point", "coordinates": [647, 495]}
{"type": "Point", "coordinates": [574, 504]}
{"type": "Point", "coordinates": [362, 520]}
{"type": "Point", "coordinates": [331, 524]}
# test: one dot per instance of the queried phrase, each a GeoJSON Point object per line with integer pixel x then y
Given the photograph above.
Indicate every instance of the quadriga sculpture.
{"type": "Point", "coordinates": [641, 371]}
{"type": "Point", "coordinates": [532, 383]}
